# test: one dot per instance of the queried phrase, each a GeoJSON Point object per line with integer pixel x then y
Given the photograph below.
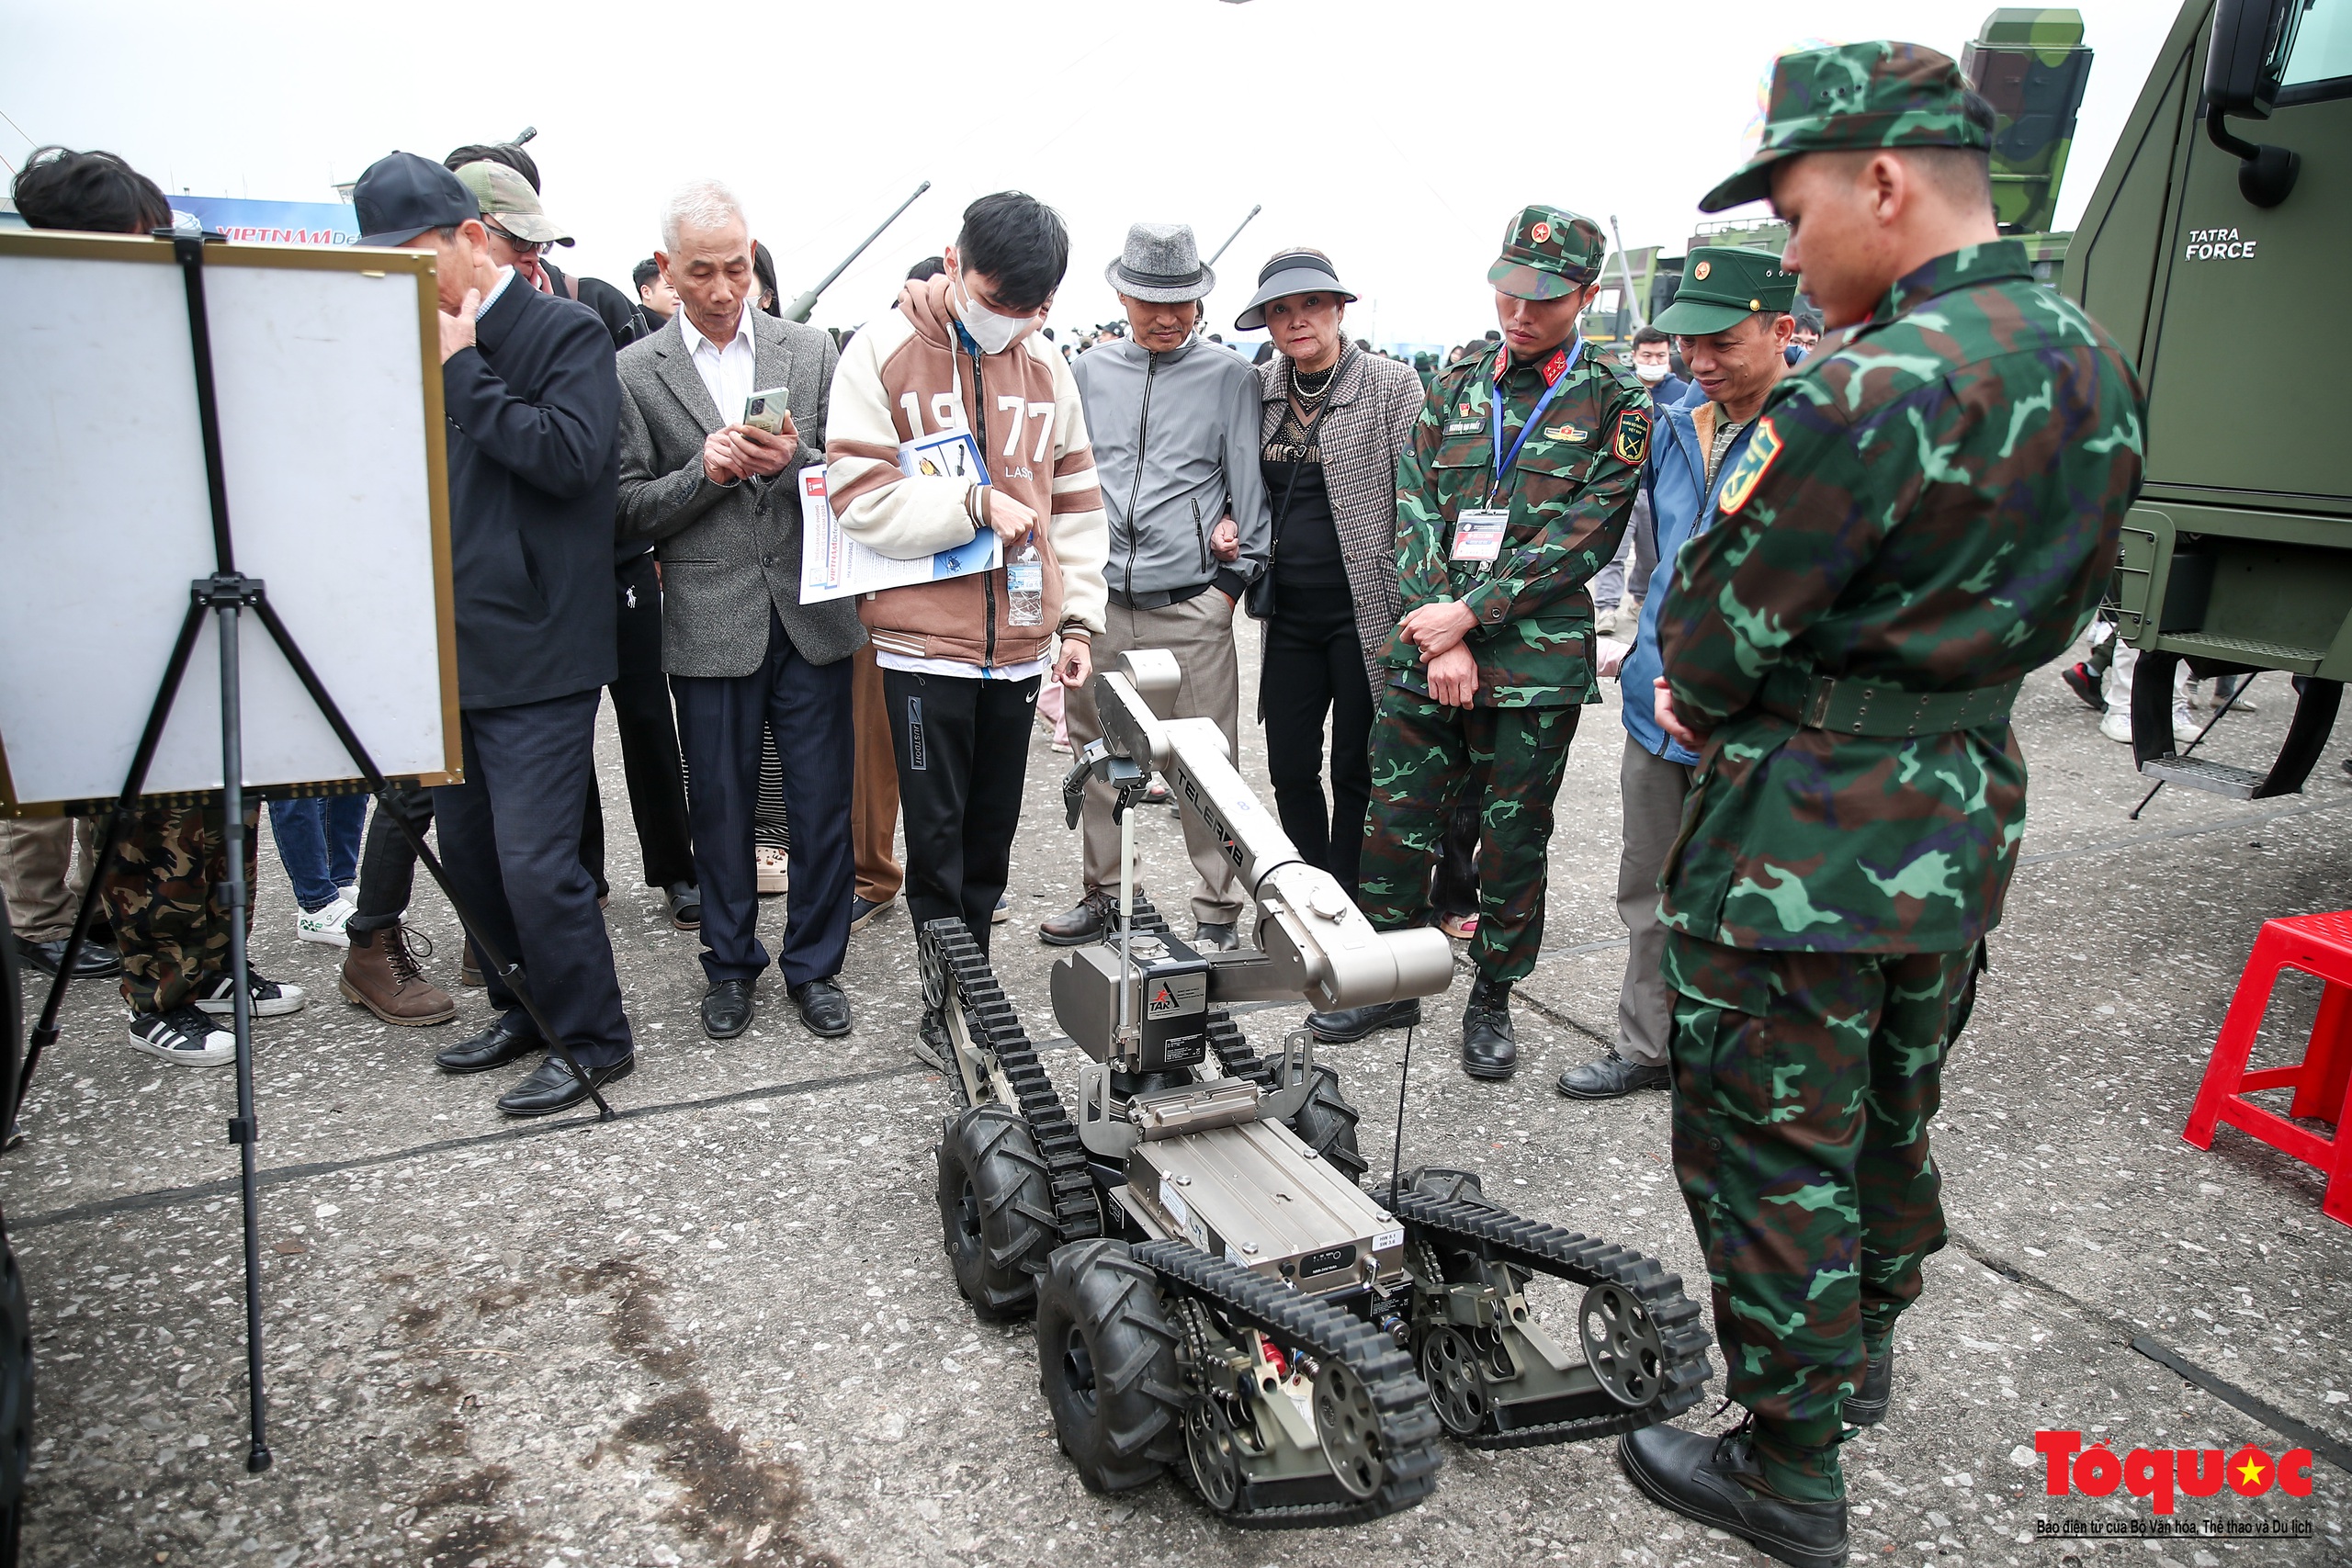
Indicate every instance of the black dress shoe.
{"type": "Point", "coordinates": [1611, 1078]}
{"type": "Point", "coordinates": [1350, 1024]}
{"type": "Point", "coordinates": [553, 1086]}
{"type": "Point", "coordinates": [1095, 915]}
{"type": "Point", "coordinates": [727, 1008]}
{"type": "Point", "coordinates": [1715, 1482]}
{"type": "Point", "coordinates": [685, 905]}
{"type": "Point", "coordinates": [94, 962]}
{"type": "Point", "coordinates": [512, 1036]}
{"type": "Point", "coordinates": [823, 1007]}
{"type": "Point", "coordinates": [1866, 1406]}
{"type": "Point", "coordinates": [1489, 1048]}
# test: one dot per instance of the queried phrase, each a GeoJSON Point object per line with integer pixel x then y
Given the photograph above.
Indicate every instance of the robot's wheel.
{"type": "Point", "coordinates": [1621, 1345]}
{"type": "Point", "coordinates": [1214, 1450]}
{"type": "Point", "coordinates": [1106, 1364]}
{"type": "Point", "coordinates": [1450, 1364]}
{"type": "Point", "coordinates": [1350, 1427]}
{"type": "Point", "coordinates": [996, 1207]}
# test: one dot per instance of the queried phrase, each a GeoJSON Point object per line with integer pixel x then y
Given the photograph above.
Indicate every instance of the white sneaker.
{"type": "Point", "coordinates": [2184, 726]}
{"type": "Point", "coordinates": [183, 1035]}
{"type": "Point", "coordinates": [325, 925]}
{"type": "Point", "coordinates": [2117, 723]}
{"type": "Point", "coordinates": [218, 997]}
{"type": "Point", "coordinates": [773, 869]}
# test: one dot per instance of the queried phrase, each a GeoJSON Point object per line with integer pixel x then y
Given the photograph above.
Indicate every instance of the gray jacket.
{"type": "Point", "coordinates": [727, 552]}
{"type": "Point", "coordinates": [1175, 440]}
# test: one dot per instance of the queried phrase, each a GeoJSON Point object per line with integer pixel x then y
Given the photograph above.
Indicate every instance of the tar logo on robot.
{"type": "Point", "coordinates": [2157, 1473]}
{"type": "Point", "coordinates": [1163, 1003]}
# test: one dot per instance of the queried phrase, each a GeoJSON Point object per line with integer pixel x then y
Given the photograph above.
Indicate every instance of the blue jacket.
{"type": "Point", "coordinates": [1683, 506]}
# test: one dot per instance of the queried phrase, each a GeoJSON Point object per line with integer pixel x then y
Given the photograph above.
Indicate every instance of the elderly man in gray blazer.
{"type": "Point", "coordinates": [721, 500]}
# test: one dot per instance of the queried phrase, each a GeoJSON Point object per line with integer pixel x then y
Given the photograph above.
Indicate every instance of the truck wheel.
{"type": "Point", "coordinates": [1327, 1123]}
{"type": "Point", "coordinates": [15, 1400]}
{"type": "Point", "coordinates": [997, 1210]}
{"type": "Point", "coordinates": [1106, 1362]}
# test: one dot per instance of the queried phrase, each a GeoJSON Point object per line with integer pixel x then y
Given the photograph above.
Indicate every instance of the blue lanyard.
{"type": "Point", "coordinates": [1503, 463]}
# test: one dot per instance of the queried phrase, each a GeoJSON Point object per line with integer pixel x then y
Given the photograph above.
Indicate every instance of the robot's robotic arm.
{"type": "Point", "coordinates": [1315, 942]}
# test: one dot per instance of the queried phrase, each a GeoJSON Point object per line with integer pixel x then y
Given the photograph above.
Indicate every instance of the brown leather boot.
{"type": "Point", "coordinates": [380, 974]}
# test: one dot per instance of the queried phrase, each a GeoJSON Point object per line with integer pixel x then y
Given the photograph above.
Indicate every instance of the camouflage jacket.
{"type": "Point", "coordinates": [1934, 506]}
{"type": "Point", "coordinates": [1570, 495]}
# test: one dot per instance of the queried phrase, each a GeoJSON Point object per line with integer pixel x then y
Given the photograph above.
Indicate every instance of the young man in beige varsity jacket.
{"type": "Point", "coordinates": [962, 657]}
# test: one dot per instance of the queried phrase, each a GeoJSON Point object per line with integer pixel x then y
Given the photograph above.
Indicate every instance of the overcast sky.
{"type": "Point", "coordinates": [1398, 136]}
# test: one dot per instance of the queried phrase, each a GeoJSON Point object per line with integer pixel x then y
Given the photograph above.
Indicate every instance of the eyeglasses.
{"type": "Point", "coordinates": [528, 247]}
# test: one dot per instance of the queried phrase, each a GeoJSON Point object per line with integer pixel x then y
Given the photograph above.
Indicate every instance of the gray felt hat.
{"type": "Point", "coordinates": [1161, 263]}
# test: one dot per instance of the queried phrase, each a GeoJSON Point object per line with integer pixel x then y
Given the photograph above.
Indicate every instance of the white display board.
{"type": "Point", "coordinates": [327, 365]}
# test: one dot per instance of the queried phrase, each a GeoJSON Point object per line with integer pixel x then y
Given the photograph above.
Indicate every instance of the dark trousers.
{"type": "Point", "coordinates": [388, 862]}
{"type": "Point", "coordinates": [1314, 666]}
{"type": "Point", "coordinates": [657, 786]}
{"type": "Point", "coordinates": [963, 753]}
{"type": "Point", "coordinates": [510, 843]}
{"type": "Point", "coordinates": [718, 721]}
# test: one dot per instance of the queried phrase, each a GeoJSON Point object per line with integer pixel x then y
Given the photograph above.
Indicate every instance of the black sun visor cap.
{"type": "Point", "coordinates": [401, 195]}
{"type": "Point", "coordinates": [1293, 272]}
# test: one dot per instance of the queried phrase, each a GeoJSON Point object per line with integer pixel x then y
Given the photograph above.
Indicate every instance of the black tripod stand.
{"type": "Point", "coordinates": [225, 596]}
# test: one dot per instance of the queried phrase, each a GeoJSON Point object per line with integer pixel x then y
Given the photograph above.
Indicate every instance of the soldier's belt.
{"type": "Point", "coordinates": [1848, 705]}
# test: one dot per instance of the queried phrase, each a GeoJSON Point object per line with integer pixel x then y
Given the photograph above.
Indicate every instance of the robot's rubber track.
{"type": "Point", "coordinates": [1232, 1048]}
{"type": "Point", "coordinates": [1077, 1213]}
{"type": "Point", "coordinates": [1537, 1248]}
{"type": "Point", "coordinates": [1409, 1427]}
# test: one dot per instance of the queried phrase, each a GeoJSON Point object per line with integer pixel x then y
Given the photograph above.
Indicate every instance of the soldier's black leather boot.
{"type": "Point", "coordinates": [1866, 1406]}
{"type": "Point", "coordinates": [1350, 1024]}
{"type": "Point", "coordinates": [1489, 1049]}
{"type": "Point", "coordinates": [1717, 1481]}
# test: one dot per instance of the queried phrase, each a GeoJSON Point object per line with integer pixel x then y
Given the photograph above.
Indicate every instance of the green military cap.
{"type": "Point", "coordinates": [1855, 94]}
{"type": "Point", "coordinates": [1722, 286]}
{"type": "Point", "coordinates": [1548, 251]}
{"type": "Point", "coordinates": [508, 201]}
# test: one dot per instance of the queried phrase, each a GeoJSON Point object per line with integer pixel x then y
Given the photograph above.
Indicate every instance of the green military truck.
{"type": "Point", "coordinates": [2227, 202]}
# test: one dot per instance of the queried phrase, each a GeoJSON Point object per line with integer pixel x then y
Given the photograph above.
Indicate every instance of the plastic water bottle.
{"type": "Point", "coordinates": [1024, 583]}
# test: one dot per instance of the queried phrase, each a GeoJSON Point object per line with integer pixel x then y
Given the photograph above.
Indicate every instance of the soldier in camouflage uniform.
{"type": "Point", "coordinates": [1923, 515]}
{"type": "Point", "coordinates": [1514, 491]}
{"type": "Point", "coordinates": [164, 891]}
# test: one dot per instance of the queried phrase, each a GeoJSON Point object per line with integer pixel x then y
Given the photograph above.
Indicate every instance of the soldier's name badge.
{"type": "Point", "coordinates": [1478, 533]}
{"type": "Point", "coordinates": [1465, 426]}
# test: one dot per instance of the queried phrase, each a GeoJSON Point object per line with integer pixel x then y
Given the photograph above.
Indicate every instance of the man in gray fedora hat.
{"type": "Point", "coordinates": [1174, 422]}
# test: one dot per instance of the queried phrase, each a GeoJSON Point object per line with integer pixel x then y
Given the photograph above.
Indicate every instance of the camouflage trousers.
{"type": "Point", "coordinates": [1803, 1085]}
{"type": "Point", "coordinates": [164, 893]}
{"type": "Point", "coordinates": [1423, 754]}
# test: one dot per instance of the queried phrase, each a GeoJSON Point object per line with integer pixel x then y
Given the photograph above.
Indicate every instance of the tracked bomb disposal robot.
{"type": "Point", "coordinates": [1213, 1291]}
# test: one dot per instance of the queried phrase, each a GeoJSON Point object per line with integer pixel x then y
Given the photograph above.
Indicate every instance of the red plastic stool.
{"type": "Point", "coordinates": [2320, 946]}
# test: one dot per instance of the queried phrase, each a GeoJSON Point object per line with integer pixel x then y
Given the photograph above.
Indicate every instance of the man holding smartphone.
{"type": "Point", "coordinates": [720, 411]}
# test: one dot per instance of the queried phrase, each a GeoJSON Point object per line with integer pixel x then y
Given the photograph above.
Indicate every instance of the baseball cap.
{"type": "Point", "coordinates": [1880, 94]}
{"type": "Point", "coordinates": [1547, 252]}
{"type": "Point", "coordinates": [508, 198]}
{"type": "Point", "coordinates": [401, 195]}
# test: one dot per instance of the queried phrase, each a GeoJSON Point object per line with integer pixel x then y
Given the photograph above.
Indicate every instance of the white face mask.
{"type": "Point", "coordinates": [1653, 374]}
{"type": "Point", "coordinates": [993, 332]}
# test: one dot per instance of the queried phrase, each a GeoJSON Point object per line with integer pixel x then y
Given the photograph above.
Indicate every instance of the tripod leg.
{"type": "Point", "coordinates": [510, 970]}
{"type": "Point", "coordinates": [242, 1131]}
{"type": "Point", "coordinates": [44, 1032]}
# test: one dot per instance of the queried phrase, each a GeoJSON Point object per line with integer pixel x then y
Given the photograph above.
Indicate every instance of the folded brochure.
{"type": "Point", "coordinates": [834, 565]}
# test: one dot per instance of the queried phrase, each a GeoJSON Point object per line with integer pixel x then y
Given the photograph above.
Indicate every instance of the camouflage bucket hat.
{"type": "Point", "coordinates": [1547, 252]}
{"type": "Point", "coordinates": [1855, 94]}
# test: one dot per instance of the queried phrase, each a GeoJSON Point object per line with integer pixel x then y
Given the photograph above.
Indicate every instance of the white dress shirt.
{"type": "Point", "coordinates": [505, 277]}
{"type": "Point", "coordinates": [729, 371]}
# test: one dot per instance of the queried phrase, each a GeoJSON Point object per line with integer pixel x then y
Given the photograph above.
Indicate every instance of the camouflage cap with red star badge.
{"type": "Point", "coordinates": [1548, 252]}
